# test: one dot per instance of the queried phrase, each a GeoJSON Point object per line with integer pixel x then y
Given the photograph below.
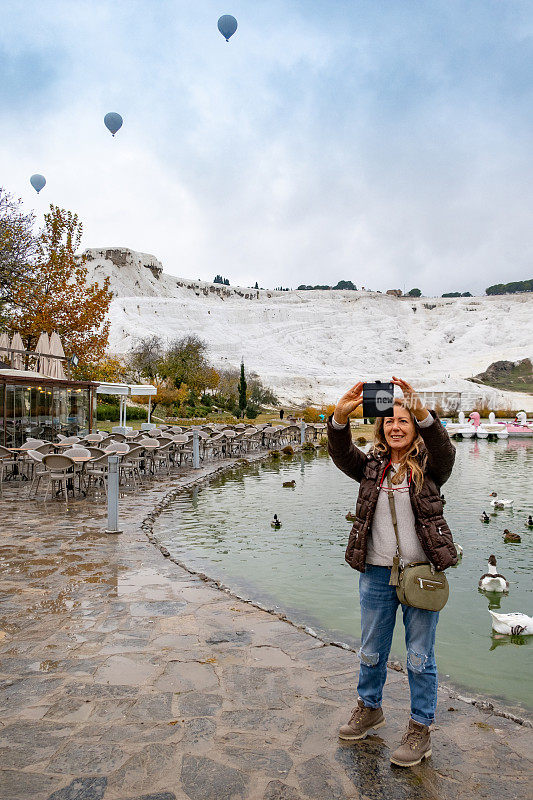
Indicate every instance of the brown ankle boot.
{"type": "Point", "coordinates": [362, 721]}
{"type": "Point", "coordinates": [415, 746]}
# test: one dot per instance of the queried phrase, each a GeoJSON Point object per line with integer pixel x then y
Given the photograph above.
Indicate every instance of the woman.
{"type": "Point", "coordinates": [416, 452]}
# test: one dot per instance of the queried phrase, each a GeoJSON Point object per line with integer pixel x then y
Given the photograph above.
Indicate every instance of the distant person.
{"type": "Point", "coordinates": [281, 413]}
{"type": "Point", "coordinates": [399, 501]}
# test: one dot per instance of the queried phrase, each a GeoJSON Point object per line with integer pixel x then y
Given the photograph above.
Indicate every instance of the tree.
{"type": "Point", "coordinates": [147, 355]}
{"type": "Point", "coordinates": [414, 293]}
{"type": "Point", "coordinates": [242, 390]}
{"type": "Point", "coordinates": [185, 361]}
{"type": "Point", "coordinates": [18, 248]}
{"type": "Point", "coordinates": [55, 294]}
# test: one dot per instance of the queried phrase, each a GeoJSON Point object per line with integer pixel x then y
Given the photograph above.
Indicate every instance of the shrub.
{"type": "Point", "coordinates": [311, 414]}
{"type": "Point", "coordinates": [361, 440]}
{"type": "Point", "coordinates": [107, 411]}
{"type": "Point", "coordinates": [275, 454]}
{"type": "Point", "coordinates": [288, 450]}
{"type": "Point", "coordinates": [308, 447]}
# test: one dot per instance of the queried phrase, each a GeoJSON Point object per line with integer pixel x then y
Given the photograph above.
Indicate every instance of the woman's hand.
{"type": "Point", "coordinates": [413, 401]}
{"type": "Point", "coordinates": [348, 403]}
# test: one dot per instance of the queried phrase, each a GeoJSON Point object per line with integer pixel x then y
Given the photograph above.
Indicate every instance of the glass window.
{"type": "Point", "coordinates": [60, 411]}
{"type": "Point", "coordinates": [78, 411]}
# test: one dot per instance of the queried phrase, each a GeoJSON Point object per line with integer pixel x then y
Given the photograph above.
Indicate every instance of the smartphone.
{"type": "Point", "coordinates": [378, 399]}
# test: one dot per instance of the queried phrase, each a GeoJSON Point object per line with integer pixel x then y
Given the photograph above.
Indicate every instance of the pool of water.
{"type": "Point", "coordinates": [224, 530]}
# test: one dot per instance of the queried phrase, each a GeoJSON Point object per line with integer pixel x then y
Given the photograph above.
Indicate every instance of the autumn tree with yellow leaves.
{"type": "Point", "coordinates": [55, 296]}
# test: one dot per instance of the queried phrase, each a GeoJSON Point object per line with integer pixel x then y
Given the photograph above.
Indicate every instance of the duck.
{"type": "Point", "coordinates": [514, 623]}
{"type": "Point", "coordinates": [485, 517]}
{"type": "Point", "coordinates": [514, 538]}
{"type": "Point", "coordinates": [492, 581]}
{"type": "Point", "coordinates": [289, 484]}
{"type": "Point", "coordinates": [276, 523]}
{"type": "Point", "coordinates": [529, 522]}
{"type": "Point", "coordinates": [458, 550]}
{"type": "Point", "coordinates": [493, 494]}
{"type": "Point", "coordinates": [351, 516]}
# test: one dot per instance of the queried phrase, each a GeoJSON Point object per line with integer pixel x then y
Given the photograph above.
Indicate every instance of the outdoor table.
{"type": "Point", "coordinates": [15, 471]}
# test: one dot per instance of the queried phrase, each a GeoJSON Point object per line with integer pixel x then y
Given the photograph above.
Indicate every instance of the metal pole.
{"type": "Point", "coordinates": [195, 449]}
{"type": "Point", "coordinates": [149, 407]}
{"type": "Point", "coordinates": [112, 495]}
{"type": "Point", "coordinates": [302, 432]}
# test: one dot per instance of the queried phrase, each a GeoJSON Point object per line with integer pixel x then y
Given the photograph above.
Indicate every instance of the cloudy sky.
{"type": "Point", "coordinates": [388, 142]}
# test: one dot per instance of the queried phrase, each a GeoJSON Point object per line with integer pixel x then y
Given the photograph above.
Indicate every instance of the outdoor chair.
{"type": "Point", "coordinates": [32, 444]}
{"type": "Point", "coordinates": [94, 438]}
{"type": "Point", "coordinates": [45, 448]}
{"type": "Point", "coordinates": [98, 471]}
{"type": "Point", "coordinates": [39, 470]}
{"type": "Point", "coordinates": [107, 440]}
{"type": "Point", "coordinates": [96, 452]}
{"type": "Point", "coordinates": [161, 457]}
{"type": "Point", "coordinates": [119, 437]}
{"type": "Point", "coordinates": [61, 471]}
{"type": "Point", "coordinates": [130, 466]}
{"type": "Point", "coordinates": [69, 440]}
{"type": "Point", "coordinates": [117, 448]}
{"type": "Point", "coordinates": [155, 432]}
{"type": "Point", "coordinates": [7, 461]}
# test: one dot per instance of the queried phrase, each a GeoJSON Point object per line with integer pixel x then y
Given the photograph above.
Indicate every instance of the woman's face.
{"type": "Point", "coordinates": [399, 432]}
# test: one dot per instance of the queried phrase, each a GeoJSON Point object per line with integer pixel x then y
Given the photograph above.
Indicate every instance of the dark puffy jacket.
{"type": "Point", "coordinates": [431, 527]}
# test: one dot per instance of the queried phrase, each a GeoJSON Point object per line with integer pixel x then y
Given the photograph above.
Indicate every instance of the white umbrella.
{"type": "Point", "coordinates": [18, 358]}
{"type": "Point", "coordinates": [4, 342]}
{"type": "Point", "coordinates": [43, 348]}
{"type": "Point", "coordinates": [56, 349]}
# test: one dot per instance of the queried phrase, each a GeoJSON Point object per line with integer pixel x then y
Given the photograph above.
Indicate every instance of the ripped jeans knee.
{"type": "Point", "coordinates": [368, 659]}
{"type": "Point", "coordinates": [416, 661]}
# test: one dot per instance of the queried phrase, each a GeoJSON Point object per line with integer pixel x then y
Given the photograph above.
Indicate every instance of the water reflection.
{"type": "Point", "coordinates": [224, 530]}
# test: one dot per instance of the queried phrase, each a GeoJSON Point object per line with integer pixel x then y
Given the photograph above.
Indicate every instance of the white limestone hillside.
{"type": "Point", "coordinates": [309, 346]}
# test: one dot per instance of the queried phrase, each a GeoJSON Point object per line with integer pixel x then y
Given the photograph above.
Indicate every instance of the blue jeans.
{"type": "Point", "coordinates": [379, 604]}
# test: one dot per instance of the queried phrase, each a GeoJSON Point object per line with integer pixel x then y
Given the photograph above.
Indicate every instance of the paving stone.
{"type": "Point", "coordinates": [317, 780]}
{"type": "Point", "coordinates": [183, 676]}
{"type": "Point", "coordinates": [155, 764]}
{"type": "Point", "coordinates": [152, 706]}
{"type": "Point", "coordinates": [235, 637]}
{"type": "Point", "coordinates": [18, 785]}
{"type": "Point", "coordinates": [195, 704]}
{"type": "Point", "coordinates": [89, 759]}
{"type": "Point", "coordinates": [368, 767]}
{"type": "Point", "coordinates": [276, 790]}
{"type": "Point", "coordinates": [273, 762]}
{"type": "Point", "coordinates": [81, 789]}
{"type": "Point", "coordinates": [153, 796]}
{"type": "Point", "coordinates": [160, 608]}
{"type": "Point", "coordinates": [70, 709]}
{"type": "Point", "coordinates": [248, 720]}
{"type": "Point", "coordinates": [204, 779]}
{"type": "Point", "coordinates": [135, 670]}
{"type": "Point", "coordinates": [198, 730]}
{"type": "Point", "coordinates": [99, 690]}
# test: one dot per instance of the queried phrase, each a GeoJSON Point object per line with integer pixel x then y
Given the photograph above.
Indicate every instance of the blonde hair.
{"type": "Point", "coordinates": [411, 461]}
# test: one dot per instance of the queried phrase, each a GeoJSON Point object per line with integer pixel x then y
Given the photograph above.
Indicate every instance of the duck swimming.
{"type": "Point", "coordinates": [529, 522]}
{"type": "Point", "coordinates": [276, 523]}
{"type": "Point", "coordinates": [492, 581]}
{"type": "Point", "coordinates": [458, 550]}
{"type": "Point", "coordinates": [508, 536]}
{"type": "Point", "coordinates": [289, 484]}
{"type": "Point", "coordinates": [485, 517]}
{"type": "Point", "coordinates": [514, 623]}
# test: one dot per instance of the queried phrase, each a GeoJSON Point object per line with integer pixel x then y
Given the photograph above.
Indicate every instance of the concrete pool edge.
{"type": "Point", "coordinates": [486, 704]}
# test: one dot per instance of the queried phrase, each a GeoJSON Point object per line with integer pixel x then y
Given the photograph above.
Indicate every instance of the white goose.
{"type": "Point", "coordinates": [492, 581]}
{"type": "Point", "coordinates": [514, 623]}
{"type": "Point", "coordinates": [504, 503]}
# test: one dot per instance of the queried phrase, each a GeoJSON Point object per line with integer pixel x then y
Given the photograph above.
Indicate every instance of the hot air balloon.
{"type": "Point", "coordinates": [227, 26]}
{"type": "Point", "coordinates": [113, 122]}
{"type": "Point", "coordinates": [38, 182]}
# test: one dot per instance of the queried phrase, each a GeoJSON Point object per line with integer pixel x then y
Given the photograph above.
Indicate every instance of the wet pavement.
{"type": "Point", "coordinates": [123, 676]}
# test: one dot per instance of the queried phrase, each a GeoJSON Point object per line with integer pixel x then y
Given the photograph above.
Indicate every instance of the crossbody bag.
{"type": "Point", "coordinates": [418, 584]}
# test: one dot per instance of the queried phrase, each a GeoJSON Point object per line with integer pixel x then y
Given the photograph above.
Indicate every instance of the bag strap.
{"type": "Point", "coordinates": [397, 561]}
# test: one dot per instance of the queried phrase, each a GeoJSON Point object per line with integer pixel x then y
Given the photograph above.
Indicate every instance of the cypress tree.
{"type": "Point", "coordinates": [242, 390]}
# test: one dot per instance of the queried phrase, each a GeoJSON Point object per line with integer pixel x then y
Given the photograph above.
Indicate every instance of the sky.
{"type": "Point", "coordinates": [387, 142]}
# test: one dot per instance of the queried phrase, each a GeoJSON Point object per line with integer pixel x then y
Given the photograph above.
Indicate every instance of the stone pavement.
{"type": "Point", "coordinates": [123, 676]}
